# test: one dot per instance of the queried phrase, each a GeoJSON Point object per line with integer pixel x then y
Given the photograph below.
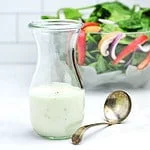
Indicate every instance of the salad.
{"type": "Point", "coordinates": [114, 37]}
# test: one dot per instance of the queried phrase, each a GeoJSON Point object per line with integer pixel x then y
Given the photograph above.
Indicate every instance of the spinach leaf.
{"type": "Point", "coordinates": [110, 28]}
{"type": "Point", "coordinates": [99, 12]}
{"type": "Point", "coordinates": [114, 11]}
{"type": "Point", "coordinates": [145, 19]}
{"type": "Point", "coordinates": [101, 65]}
{"type": "Point", "coordinates": [112, 67]}
{"type": "Point", "coordinates": [117, 10]}
{"type": "Point", "coordinates": [137, 58]}
{"type": "Point", "coordinates": [131, 25]}
{"type": "Point", "coordinates": [72, 13]}
{"type": "Point", "coordinates": [138, 21]}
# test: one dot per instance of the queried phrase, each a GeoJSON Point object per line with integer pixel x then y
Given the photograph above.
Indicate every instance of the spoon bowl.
{"type": "Point", "coordinates": [116, 109]}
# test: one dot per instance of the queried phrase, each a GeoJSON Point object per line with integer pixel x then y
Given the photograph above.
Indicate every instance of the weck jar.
{"type": "Point", "coordinates": [56, 92]}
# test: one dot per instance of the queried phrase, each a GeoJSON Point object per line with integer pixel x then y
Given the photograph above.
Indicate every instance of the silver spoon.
{"type": "Point", "coordinates": [116, 108]}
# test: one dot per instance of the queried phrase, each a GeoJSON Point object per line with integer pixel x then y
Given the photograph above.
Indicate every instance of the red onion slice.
{"type": "Point", "coordinates": [114, 44]}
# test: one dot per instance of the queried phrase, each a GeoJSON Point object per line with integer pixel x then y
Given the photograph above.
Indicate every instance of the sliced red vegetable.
{"type": "Point", "coordinates": [130, 48]}
{"type": "Point", "coordinates": [81, 47]}
{"type": "Point", "coordinates": [145, 62]}
{"type": "Point", "coordinates": [86, 24]}
{"type": "Point", "coordinates": [81, 42]}
{"type": "Point", "coordinates": [91, 27]}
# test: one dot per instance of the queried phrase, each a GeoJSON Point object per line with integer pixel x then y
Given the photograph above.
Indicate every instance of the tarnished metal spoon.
{"type": "Point", "coordinates": [116, 108]}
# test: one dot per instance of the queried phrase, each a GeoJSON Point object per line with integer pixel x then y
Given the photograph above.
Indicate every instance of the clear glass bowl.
{"type": "Point", "coordinates": [102, 66]}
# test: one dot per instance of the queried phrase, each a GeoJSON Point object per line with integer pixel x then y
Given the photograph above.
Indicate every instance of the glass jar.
{"type": "Point", "coordinates": [56, 92]}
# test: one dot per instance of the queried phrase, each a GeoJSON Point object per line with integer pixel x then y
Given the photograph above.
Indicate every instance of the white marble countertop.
{"type": "Point", "coordinates": [16, 132]}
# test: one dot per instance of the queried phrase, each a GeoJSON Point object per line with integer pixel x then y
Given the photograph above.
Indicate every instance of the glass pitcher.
{"type": "Point", "coordinates": [56, 92]}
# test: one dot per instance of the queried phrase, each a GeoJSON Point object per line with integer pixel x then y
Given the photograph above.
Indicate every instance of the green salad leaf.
{"type": "Point", "coordinates": [114, 11]}
{"type": "Point", "coordinates": [117, 10]}
{"type": "Point", "coordinates": [131, 24]}
{"type": "Point", "coordinates": [101, 65]}
{"type": "Point", "coordinates": [137, 58]}
{"type": "Point", "coordinates": [138, 20]}
{"type": "Point", "coordinates": [72, 13]}
{"type": "Point", "coordinates": [111, 28]}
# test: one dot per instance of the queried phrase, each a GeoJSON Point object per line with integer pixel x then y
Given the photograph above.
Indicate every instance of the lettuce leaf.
{"type": "Point", "coordinates": [72, 13]}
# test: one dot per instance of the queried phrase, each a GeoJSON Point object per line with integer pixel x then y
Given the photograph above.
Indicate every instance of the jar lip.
{"type": "Point", "coordinates": [56, 24]}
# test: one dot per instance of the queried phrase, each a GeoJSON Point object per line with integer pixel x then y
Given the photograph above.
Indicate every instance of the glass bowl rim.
{"type": "Point", "coordinates": [127, 33]}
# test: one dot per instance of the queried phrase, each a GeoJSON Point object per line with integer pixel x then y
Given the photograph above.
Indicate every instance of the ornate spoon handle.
{"type": "Point", "coordinates": [77, 136]}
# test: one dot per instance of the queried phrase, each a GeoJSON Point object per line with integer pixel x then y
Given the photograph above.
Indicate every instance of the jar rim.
{"type": "Point", "coordinates": [56, 24]}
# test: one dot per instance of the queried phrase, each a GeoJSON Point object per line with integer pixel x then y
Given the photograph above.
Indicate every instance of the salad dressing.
{"type": "Point", "coordinates": [56, 109]}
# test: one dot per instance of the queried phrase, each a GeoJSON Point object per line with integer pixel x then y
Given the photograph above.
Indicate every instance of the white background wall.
{"type": "Point", "coordinates": [16, 41]}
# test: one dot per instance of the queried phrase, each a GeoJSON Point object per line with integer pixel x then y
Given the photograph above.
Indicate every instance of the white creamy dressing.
{"type": "Point", "coordinates": [57, 109]}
